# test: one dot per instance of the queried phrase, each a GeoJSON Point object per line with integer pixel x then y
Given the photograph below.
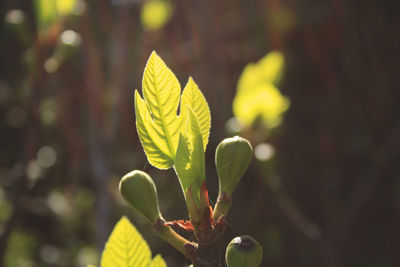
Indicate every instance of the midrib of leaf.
{"type": "Point", "coordinates": [167, 134]}
{"type": "Point", "coordinates": [127, 242]}
{"type": "Point", "coordinates": [125, 247]}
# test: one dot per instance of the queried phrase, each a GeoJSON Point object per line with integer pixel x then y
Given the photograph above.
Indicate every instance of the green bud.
{"type": "Point", "coordinates": [140, 192]}
{"type": "Point", "coordinates": [232, 157]}
{"type": "Point", "coordinates": [243, 251]}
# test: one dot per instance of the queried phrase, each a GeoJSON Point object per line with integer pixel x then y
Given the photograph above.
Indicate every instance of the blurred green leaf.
{"type": "Point", "coordinates": [46, 12]}
{"type": "Point", "coordinates": [127, 248]}
{"type": "Point", "coordinates": [65, 7]}
{"type": "Point", "coordinates": [269, 69]}
{"type": "Point", "coordinates": [155, 14]}
{"type": "Point", "coordinates": [257, 94]}
{"type": "Point", "coordinates": [49, 11]}
{"type": "Point", "coordinates": [21, 248]}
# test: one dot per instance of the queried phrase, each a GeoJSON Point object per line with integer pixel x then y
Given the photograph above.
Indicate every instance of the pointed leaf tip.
{"type": "Point", "coordinates": [125, 247]}
{"type": "Point", "coordinates": [158, 261]}
{"type": "Point", "coordinates": [192, 97]}
{"type": "Point", "coordinates": [159, 125]}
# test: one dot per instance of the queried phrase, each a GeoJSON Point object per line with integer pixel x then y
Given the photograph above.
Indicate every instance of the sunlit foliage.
{"type": "Point", "coordinates": [127, 248]}
{"type": "Point", "coordinates": [257, 94]}
{"type": "Point", "coordinates": [48, 11]}
{"type": "Point", "coordinates": [155, 14]}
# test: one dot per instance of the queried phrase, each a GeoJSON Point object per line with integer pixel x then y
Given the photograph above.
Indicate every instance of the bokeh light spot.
{"type": "Point", "coordinates": [48, 111]}
{"type": "Point", "coordinates": [264, 151]}
{"type": "Point", "coordinates": [72, 38]}
{"type": "Point", "coordinates": [50, 254]}
{"type": "Point", "coordinates": [46, 156]}
{"type": "Point", "coordinates": [155, 14]}
{"type": "Point", "coordinates": [33, 170]}
{"type": "Point", "coordinates": [86, 256]}
{"type": "Point", "coordinates": [51, 65]}
{"type": "Point", "coordinates": [233, 125]}
{"type": "Point", "coordinates": [15, 16]}
{"type": "Point", "coordinates": [58, 203]}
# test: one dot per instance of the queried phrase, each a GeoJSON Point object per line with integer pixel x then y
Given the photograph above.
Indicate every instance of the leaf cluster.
{"type": "Point", "coordinates": [170, 139]}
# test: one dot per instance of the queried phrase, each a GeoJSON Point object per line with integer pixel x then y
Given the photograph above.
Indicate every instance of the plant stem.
{"type": "Point", "coordinates": [208, 253]}
{"type": "Point", "coordinates": [222, 206]}
{"type": "Point", "coordinates": [169, 235]}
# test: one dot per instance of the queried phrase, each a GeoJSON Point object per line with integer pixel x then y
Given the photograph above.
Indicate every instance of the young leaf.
{"type": "Point", "coordinates": [156, 116]}
{"type": "Point", "coordinates": [192, 97]}
{"type": "Point", "coordinates": [189, 162]}
{"type": "Point", "coordinates": [195, 138]}
{"type": "Point", "coordinates": [158, 262]}
{"type": "Point", "coordinates": [182, 161]}
{"type": "Point", "coordinates": [154, 144]}
{"type": "Point", "coordinates": [127, 248]}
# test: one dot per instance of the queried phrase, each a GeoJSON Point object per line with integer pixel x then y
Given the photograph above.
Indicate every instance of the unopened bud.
{"type": "Point", "coordinates": [243, 251]}
{"type": "Point", "coordinates": [232, 157]}
{"type": "Point", "coordinates": [140, 192]}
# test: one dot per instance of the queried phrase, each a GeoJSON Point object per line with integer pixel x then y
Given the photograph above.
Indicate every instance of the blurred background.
{"type": "Point", "coordinates": [323, 188]}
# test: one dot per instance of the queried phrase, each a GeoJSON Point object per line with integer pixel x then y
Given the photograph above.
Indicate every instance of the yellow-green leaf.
{"type": "Point", "coordinates": [46, 12]}
{"type": "Point", "coordinates": [265, 101]}
{"type": "Point", "coordinates": [257, 94]}
{"type": "Point", "coordinates": [182, 163]}
{"type": "Point", "coordinates": [195, 138]}
{"type": "Point", "coordinates": [127, 248]}
{"type": "Point", "coordinates": [269, 69]}
{"type": "Point", "coordinates": [158, 261]}
{"type": "Point", "coordinates": [189, 163]}
{"type": "Point", "coordinates": [49, 11]}
{"type": "Point", "coordinates": [156, 116]}
{"type": "Point", "coordinates": [65, 7]}
{"type": "Point", "coordinates": [154, 144]}
{"type": "Point", "coordinates": [193, 98]}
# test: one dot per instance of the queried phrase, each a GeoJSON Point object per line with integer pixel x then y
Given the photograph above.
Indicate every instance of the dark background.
{"type": "Point", "coordinates": [329, 197]}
